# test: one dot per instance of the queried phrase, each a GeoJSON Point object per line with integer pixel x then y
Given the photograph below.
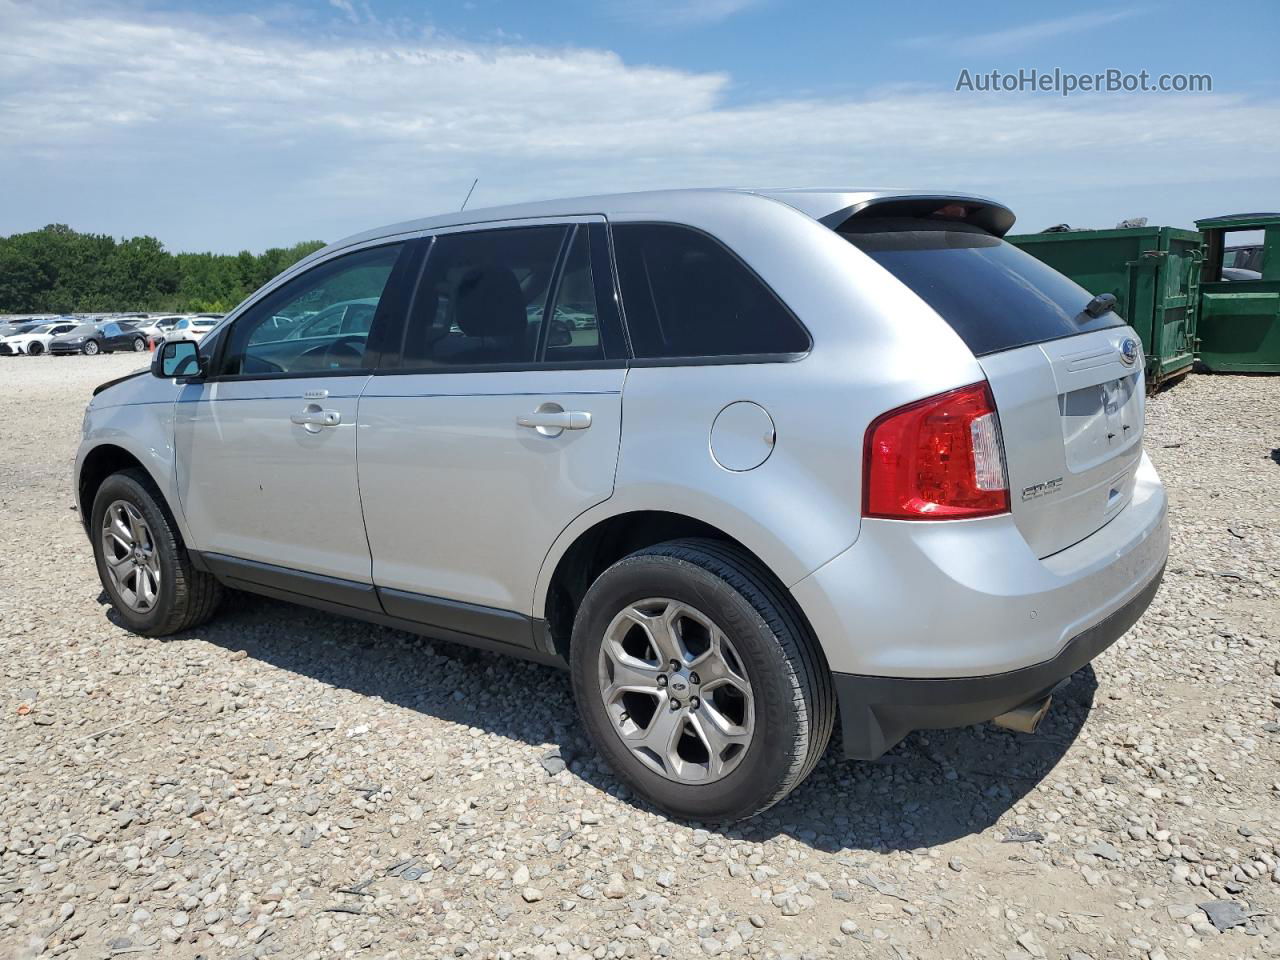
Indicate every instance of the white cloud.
{"type": "Point", "coordinates": [680, 13]}
{"type": "Point", "coordinates": [1016, 38]}
{"type": "Point", "coordinates": [347, 7]}
{"type": "Point", "coordinates": [235, 132]}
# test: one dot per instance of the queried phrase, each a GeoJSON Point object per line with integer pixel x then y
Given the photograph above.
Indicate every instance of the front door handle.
{"type": "Point", "coordinates": [551, 420]}
{"type": "Point", "coordinates": [314, 417]}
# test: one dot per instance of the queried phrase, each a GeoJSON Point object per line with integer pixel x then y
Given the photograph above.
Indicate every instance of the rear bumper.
{"type": "Point", "coordinates": [877, 712]}
{"type": "Point", "coordinates": [943, 624]}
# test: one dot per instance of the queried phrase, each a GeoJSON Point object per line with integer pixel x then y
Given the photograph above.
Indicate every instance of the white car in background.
{"type": "Point", "coordinates": [160, 327]}
{"type": "Point", "coordinates": [35, 341]}
{"type": "Point", "coordinates": [191, 328]}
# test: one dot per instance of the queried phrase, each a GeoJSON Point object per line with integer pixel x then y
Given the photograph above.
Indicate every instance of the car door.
{"type": "Point", "coordinates": [109, 336]}
{"type": "Point", "coordinates": [496, 425]}
{"type": "Point", "coordinates": [123, 337]}
{"type": "Point", "coordinates": [266, 445]}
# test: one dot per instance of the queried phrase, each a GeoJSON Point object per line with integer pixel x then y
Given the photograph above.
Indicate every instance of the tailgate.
{"type": "Point", "coordinates": [1071, 417]}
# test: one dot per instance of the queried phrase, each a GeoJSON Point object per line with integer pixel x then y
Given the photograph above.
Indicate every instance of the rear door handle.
{"type": "Point", "coordinates": [564, 420]}
{"type": "Point", "coordinates": [551, 420]}
{"type": "Point", "coordinates": [314, 417]}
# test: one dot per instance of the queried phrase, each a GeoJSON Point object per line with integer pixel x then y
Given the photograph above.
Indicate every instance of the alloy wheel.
{"type": "Point", "coordinates": [129, 551]}
{"type": "Point", "coordinates": [676, 691]}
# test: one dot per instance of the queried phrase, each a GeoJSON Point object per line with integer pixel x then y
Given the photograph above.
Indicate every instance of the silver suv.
{"type": "Point", "coordinates": [742, 461]}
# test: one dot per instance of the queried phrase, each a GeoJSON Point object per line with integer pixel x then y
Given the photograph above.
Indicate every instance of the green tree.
{"type": "Point", "coordinates": [59, 270]}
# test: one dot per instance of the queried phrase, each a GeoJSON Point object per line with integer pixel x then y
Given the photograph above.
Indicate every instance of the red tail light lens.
{"type": "Point", "coordinates": [936, 459]}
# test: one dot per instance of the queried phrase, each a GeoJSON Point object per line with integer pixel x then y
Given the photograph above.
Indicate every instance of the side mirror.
{"type": "Point", "coordinates": [177, 358]}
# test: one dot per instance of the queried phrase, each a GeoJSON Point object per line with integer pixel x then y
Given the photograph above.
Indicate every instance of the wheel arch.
{"type": "Point", "coordinates": [98, 464]}
{"type": "Point", "coordinates": [589, 546]}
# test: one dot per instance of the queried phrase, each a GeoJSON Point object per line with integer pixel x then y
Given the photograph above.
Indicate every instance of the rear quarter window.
{"type": "Point", "coordinates": [684, 294]}
{"type": "Point", "coordinates": [995, 296]}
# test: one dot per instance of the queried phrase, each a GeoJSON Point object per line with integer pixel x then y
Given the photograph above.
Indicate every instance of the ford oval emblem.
{"type": "Point", "coordinates": [1129, 351]}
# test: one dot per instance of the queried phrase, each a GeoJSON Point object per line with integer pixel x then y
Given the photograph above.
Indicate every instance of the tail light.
{"type": "Point", "coordinates": [936, 459]}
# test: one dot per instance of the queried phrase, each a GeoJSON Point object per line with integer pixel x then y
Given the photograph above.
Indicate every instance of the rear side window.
{"type": "Point", "coordinates": [574, 331]}
{"type": "Point", "coordinates": [995, 296]}
{"type": "Point", "coordinates": [685, 295]}
{"type": "Point", "coordinates": [483, 297]}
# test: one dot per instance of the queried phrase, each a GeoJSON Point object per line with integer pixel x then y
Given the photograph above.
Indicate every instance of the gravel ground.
{"type": "Point", "coordinates": [287, 783]}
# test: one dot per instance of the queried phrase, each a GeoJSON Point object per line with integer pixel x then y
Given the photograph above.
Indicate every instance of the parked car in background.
{"type": "Point", "coordinates": [159, 327]}
{"type": "Point", "coordinates": [93, 338]}
{"type": "Point", "coordinates": [34, 341]}
{"type": "Point", "coordinates": [1244, 256]}
{"type": "Point", "coordinates": [15, 328]}
{"type": "Point", "coordinates": [191, 328]}
{"type": "Point", "coordinates": [873, 456]}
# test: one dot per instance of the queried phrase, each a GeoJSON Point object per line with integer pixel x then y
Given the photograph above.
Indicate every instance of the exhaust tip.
{"type": "Point", "coordinates": [1026, 718]}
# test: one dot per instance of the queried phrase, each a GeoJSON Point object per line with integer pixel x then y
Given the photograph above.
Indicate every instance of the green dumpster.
{"type": "Point", "coordinates": [1240, 317]}
{"type": "Point", "coordinates": [1154, 274]}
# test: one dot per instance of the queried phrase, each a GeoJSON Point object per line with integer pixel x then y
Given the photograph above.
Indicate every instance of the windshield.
{"type": "Point", "coordinates": [45, 328]}
{"type": "Point", "coordinates": [994, 295]}
{"type": "Point", "coordinates": [83, 330]}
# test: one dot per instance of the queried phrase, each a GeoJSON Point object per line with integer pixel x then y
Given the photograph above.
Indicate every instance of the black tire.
{"type": "Point", "coordinates": [35, 348]}
{"type": "Point", "coordinates": [139, 344]}
{"type": "Point", "coordinates": [790, 679]}
{"type": "Point", "coordinates": [91, 348]}
{"type": "Point", "coordinates": [187, 597]}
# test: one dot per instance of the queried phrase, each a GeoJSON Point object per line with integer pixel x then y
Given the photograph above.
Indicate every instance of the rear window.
{"type": "Point", "coordinates": [995, 296]}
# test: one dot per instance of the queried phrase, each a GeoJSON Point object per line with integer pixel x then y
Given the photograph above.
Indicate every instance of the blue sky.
{"type": "Point", "coordinates": [231, 125]}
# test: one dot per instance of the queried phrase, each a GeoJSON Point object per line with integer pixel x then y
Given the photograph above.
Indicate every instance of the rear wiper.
{"type": "Point", "coordinates": [1102, 303]}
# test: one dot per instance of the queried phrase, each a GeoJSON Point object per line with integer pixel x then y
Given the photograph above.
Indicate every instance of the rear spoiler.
{"type": "Point", "coordinates": [993, 217]}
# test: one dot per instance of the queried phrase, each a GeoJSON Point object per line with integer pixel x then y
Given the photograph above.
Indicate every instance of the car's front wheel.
{"type": "Point", "coordinates": [698, 680]}
{"type": "Point", "coordinates": [90, 348]}
{"type": "Point", "coordinates": [139, 344]}
{"type": "Point", "coordinates": [142, 562]}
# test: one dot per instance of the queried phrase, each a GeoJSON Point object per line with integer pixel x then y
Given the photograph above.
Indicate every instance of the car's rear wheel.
{"type": "Point", "coordinates": [142, 562]}
{"type": "Point", "coordinates": [90, 348]}
{"type": "Point", "coordinates": [698, 680]}
{"type": "Point", "coordinates": [139, 344]}
{"type": "Point", "coordinates": [35, 348]}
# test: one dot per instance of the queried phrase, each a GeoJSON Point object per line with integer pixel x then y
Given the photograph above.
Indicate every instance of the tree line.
{"type": "Point", "coordinates": [58, 270]}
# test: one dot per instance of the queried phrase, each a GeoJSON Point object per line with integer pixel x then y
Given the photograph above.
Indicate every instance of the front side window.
{"type": "Point", "coordinates": [317, 323]}
{"type": "Point", "coordinates": [482, 298]}
{"type": "Point", "coordinates": [685, 294]}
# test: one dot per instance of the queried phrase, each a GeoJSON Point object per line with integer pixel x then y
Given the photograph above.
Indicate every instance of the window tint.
{"type": "Point", "coordinates": [685, 295]}
{"type": "Point", "coordinates": [317, 322]}
{"type": "Point", "coordinates": [994, 295]}
{"type": "Point", "coordinates": [574, 331]}
{"type": "Point", "coordinates": [482, 297]}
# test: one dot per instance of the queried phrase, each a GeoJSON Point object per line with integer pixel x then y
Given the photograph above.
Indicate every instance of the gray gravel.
{"type": "Point", "coordinates": [286, 783]}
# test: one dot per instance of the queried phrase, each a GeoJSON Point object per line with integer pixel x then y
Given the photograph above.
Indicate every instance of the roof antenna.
{"type": "Point", "coordinates": [469, 192]}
